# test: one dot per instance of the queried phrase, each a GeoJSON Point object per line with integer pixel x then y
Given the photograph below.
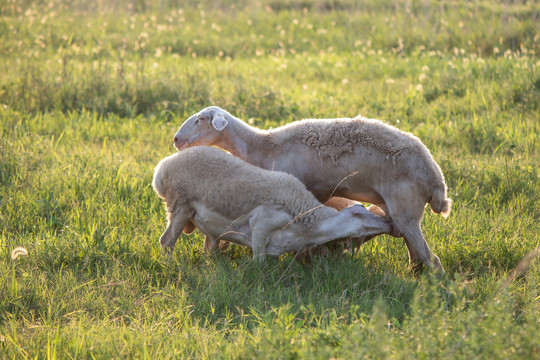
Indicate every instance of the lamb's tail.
{"type": "Point", "coordinates": [440, 204]}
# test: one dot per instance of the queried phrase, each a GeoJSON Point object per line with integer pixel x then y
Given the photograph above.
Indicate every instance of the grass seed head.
{"type": "Point", "coordinates": [18, 251]}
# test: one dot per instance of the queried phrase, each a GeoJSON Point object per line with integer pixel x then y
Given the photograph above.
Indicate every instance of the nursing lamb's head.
{"type": "Point", "coordinates": [369, 221]}
{"type": "Point", "coordinates": [203, 128]}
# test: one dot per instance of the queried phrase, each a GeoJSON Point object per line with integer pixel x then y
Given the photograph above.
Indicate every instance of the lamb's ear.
{"type": "Point", "coordinates": [219, 122]}
{"type": "Point", "coordinates": [358, 210]}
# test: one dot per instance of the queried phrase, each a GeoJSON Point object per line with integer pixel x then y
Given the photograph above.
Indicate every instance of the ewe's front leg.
{"type": "Point", "coordinates": [177, 220]}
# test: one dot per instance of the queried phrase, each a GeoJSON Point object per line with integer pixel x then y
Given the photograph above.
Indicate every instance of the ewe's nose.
{"type": "Point", "coordinates": [178, 144]}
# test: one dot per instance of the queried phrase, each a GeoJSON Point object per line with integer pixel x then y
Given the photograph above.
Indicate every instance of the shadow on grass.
{"type": "Point", "coordinates": [231, 288]}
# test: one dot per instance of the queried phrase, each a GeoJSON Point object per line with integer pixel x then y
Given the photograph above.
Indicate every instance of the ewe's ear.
{"type": "Point", "coordinates": [219, 122]}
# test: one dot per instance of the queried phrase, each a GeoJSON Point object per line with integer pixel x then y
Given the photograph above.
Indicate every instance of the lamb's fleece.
{"type": "Point", "coordinates": [189, 186]}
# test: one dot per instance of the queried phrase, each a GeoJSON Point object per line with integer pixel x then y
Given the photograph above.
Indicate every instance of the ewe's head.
{"type": "Point", "coordinates": [203, 128]}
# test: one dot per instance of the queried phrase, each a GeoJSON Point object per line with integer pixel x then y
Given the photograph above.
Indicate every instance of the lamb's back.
{"type": "Point", "coordinates": [231, 186]}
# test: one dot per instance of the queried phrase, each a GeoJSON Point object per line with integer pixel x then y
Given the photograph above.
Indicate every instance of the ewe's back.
{"type": "Point", "coordinates": [336, 136]}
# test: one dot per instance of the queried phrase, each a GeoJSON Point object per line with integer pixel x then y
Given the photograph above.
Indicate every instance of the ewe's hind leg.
{"type": "Point", "coordinates": [407, 215]}
{"type": "Point", "coordinates": [382, 210]}
{"type": "Point", "coordinates": [177, 220]}
{"type": "Point", "coordinates": [418, 247]}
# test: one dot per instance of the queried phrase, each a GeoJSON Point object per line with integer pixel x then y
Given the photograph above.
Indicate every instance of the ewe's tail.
{"type": "Point", "coordinates": [440, 204]}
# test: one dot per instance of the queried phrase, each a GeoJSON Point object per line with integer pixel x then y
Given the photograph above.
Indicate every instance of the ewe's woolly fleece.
{"type": "Point", "coordinates": [334, 137]}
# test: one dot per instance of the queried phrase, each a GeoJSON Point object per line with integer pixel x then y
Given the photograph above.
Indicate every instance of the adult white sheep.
{"type": "Point", "coordinates": [270, 211]}
{"type": "Point", "coordinates": [359, 159]}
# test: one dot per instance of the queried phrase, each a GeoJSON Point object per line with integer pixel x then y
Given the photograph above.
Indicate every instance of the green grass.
{"type": "Point", "coordinates": [91, 94]}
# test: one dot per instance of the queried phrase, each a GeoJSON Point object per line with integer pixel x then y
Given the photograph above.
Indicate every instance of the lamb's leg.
{"type": "Point", "coordinates": [177, 220]}
{"type": "Point", "coordinates": [210, 245]}
{"type": "Point", "coordinates": [265, 223]}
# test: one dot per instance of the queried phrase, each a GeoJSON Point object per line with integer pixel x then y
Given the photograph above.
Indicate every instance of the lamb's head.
{"type": "Point", "coordinates": [203, 128]}
{"type": "Point", "coordinates": [370, 221]}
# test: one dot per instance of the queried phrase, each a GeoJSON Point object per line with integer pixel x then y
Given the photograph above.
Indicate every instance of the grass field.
{"type": "Point", "coordinates": [91, 94]}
